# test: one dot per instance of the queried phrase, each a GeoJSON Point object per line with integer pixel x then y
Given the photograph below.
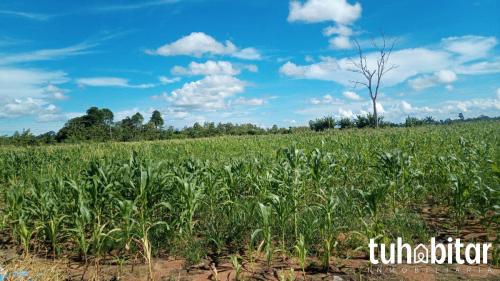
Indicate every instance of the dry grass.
{"type": "Point", "coordinates": [35, 269]}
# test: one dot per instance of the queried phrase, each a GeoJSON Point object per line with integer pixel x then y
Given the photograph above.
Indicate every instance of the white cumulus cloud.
{"type": "Point", "coordinates": [340, 42]}
{"type": "Point", "coordinates": [479, 68]}
{"type": "Point", "coordinates": [338, 30]}
{"type": "Point", "coordinates": [209, 93]}
{"type": "Point", "coordinates": [327, 69]}
{"type": "Point", "coordinates": [198, 44]}
{"type": "Point", "coordinates": [339, 11]}
{"type": "Point", "coordinates": [342, 39]}
{"type": "Point", "coordinates": [41, 109]}
{"type": "Point", "coordinates": [22, 83]}
{"type": "Point", "coordinates": [446, 76]}
{"type": "Point", "coordinates": [167, 80]}
{"type": "Point", "coordinates": [29, 92]}
{"type": "Point", "coordinates": [251, 101]}
{"type": "Point", "coordinates": [406, 106]}
{"type": "Point", "coordinates": [326, 99]}
{"type": "Point", "coordinates": [470, 47]}
{"type": "Point", "coordinates": [428, 81]}
{"type": "Point", "coordinates": [247, 54]}
{"type": "Point", "coordinates": [207, 68]}
{"type": "Point", "coordinates": [410, 62]}
{"type": "Point", "coordinates": [54, 92]}
{"type": "Point", "coordinates": [351, 95]}
{"type": "Point", "coordinates": [425, 66]}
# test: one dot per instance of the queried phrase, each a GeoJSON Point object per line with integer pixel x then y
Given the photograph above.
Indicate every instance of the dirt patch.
{"type": "Point", "coordinates": [165, 269]}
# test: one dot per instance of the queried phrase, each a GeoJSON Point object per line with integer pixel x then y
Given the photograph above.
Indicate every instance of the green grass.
{"type": "Point", "coordinates": [314, 194]}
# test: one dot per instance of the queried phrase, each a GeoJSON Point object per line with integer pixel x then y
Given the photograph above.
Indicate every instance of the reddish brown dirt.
{"type": "Point", "coordinates": [354, 269]}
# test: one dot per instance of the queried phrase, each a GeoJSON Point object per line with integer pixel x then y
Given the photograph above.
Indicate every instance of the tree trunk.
{"type": "Point", "coordinates": [375, 116]}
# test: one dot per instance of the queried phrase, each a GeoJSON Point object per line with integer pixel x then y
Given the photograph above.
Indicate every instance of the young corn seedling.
{"type": "Point", "coordinates": [54, 229]}
{"type": "Point", "coordinates": [80, 233]}
{"type": "Point", "coordinates": [235, 261]}
{"type": "Point", "coordinates": [191, 195]}
{"type": "Point", "coordinates": [327, 207]}
{"type": "Point", "coordinates": [286, 276]}
{"type": "Point", "coordinates": [265, 230]}
{"type": "Point", "coordinates": [301, 251]}
{"type": "Point", "coordinates": [98, 241]}
{"type": "Point", "coordinates": [25, 233]}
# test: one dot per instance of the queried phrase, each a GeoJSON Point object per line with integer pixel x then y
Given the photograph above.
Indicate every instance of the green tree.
{"type": "Point", "coordinates": [322, 124]}
{"type": "Point", "coordinates": [96, 124]}
{"type": "Point", "coordinates": [429, 120]}
{"type": "Point", "coordinates": [346, 123]}
{"type": "Point", "coordinates": [107, 116]}
{"type": "Point", "coordinates": [156, 119]}
{"type": "Point", "coordinates": [368, 120]}
{"type": "Point", "coordinates": [93, 116]}
{"type": "Point", "coordinates": [137, 120]}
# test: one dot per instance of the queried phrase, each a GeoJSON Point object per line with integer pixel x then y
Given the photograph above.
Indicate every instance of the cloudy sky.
{"type": "Point", "coordinates": [266, 62]}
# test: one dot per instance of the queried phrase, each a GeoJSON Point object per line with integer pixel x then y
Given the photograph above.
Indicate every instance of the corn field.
{"type": "Point", "coordinates": [306, 196]}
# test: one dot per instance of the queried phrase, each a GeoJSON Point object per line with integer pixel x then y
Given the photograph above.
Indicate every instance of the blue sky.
{"type": "Point", "coordinates": [266, 62]}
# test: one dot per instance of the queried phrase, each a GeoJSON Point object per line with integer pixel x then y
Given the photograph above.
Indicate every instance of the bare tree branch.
{"type": "Point", "coordinates": [373, 74]}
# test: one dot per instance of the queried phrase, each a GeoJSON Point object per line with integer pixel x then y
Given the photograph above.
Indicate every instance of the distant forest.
{"type": "Point", "coordinates": [98, 125]}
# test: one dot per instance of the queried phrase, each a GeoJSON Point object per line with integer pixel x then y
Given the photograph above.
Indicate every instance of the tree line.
{"type": "Point", "coordinates": [98, 125]}
{"type": "Point", "coordinates": [370, 121]}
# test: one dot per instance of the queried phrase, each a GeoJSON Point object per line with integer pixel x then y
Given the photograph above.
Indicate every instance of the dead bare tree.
{"type": "Point", "coordinates": [373, 74]}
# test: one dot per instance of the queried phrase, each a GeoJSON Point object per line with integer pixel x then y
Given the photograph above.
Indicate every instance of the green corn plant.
{"type": "Point", "coordinates": [496, 252]}
{"type": "Point", "coordinates": [98, 239]}
{"type": "Point", "coordinates": [25, 234]}
{"type": "Point", "coordinates": [217, 208]}
{"type": "Point", "coordinates": [250, 254]}
{"type": "Point", "coordinates": [265, 230]}
{"type": "Point", "coordinates": [128, 224]}
{"type": "Point", "coordinates": [373, 198]}
{"type": "Point", "coordinates": [462, 181]}
{"type": "Point", "coordinates": [144, 211]}
{"type": "Point", "coordinates": [235, 261]}
{"type": "Point", "coordinates": [282, 210]}
{"type": "Point", "coordinates": [461, 194]}
{"type": "Point", "coordinates": [15, 203]}
{"type": "Point", "coordinates": [82, 217]}
{"type": "Point", "coordinates": [190, 196]}
{"type": "Point", "coordinates": [143, 238]}
{"type": "Point", "coordinates": [394, 168]}
{"type": "Point", "coordinates": [293, 156]}
{"type": "Point", "coordinates": [80, 236]}
{"type": "Point", "coordinates": [301, 251]}
{"type": "Point", "coordinates": [54, 230]}
{"type": "Point", "coordinates": [295, 160]}
{"type": "Point", "coordinates": [317, 164]}
{"type": "Point", "coordinates": [328, 208]}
